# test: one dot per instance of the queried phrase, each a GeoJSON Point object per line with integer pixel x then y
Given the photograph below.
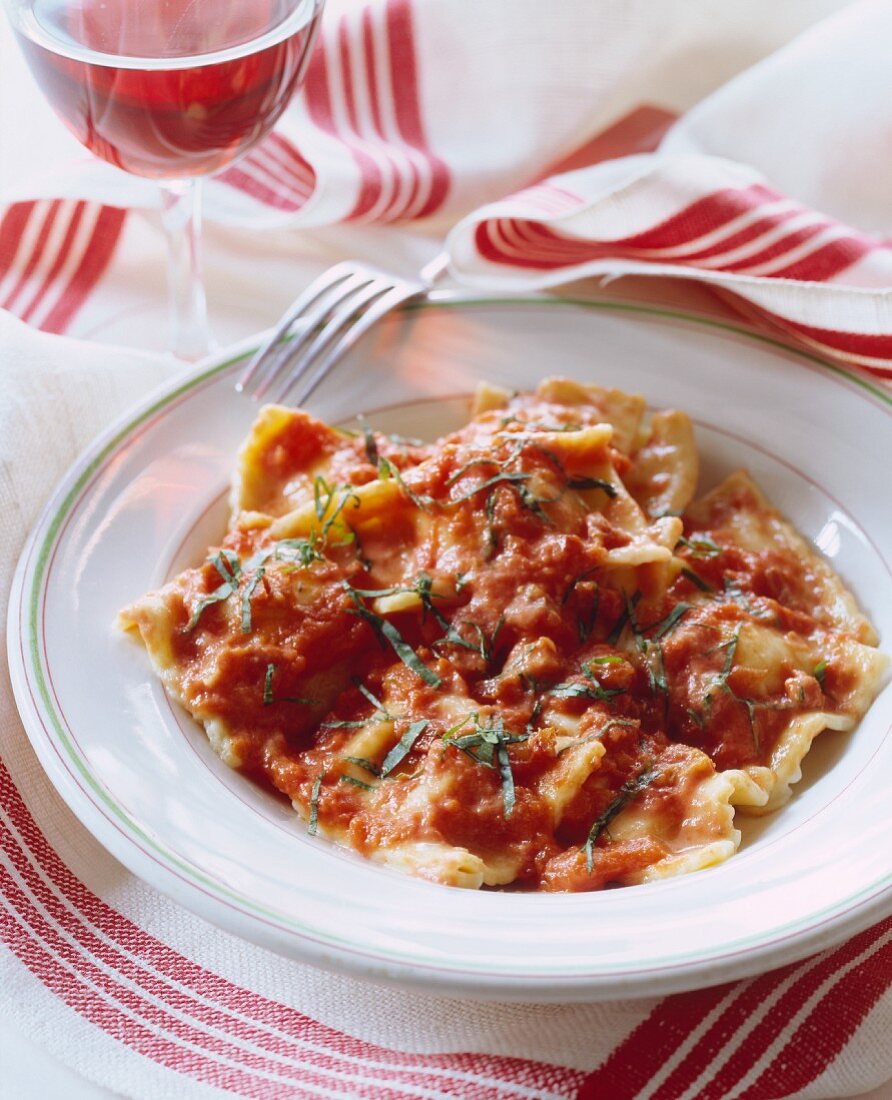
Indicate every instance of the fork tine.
{"type": "Point", "coordinates": [303, 358]}
{"type": "Point", "coordinates": [315, 290]}
{"type": "Point", "coordinates": [388, 301]}
{"type": "Point", "coordinates": [285, 353]}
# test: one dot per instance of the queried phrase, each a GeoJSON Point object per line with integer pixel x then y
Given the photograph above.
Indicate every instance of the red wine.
{"type": "Point", "coordinates": [168, 88]}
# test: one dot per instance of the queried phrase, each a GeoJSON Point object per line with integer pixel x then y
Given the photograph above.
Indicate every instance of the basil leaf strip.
{"type": "Point", "coordinates": [628, 791]}
{"type": "Point", "coordinates": [404, 746]}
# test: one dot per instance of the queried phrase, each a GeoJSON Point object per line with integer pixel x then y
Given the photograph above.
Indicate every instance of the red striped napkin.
{"type": "Point", "coordinates": [821, 282]}
{"type": "Point", "coordinates": [422, 111]}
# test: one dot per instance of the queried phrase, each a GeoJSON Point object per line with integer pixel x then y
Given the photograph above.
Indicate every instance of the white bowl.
{"type": "Point", "coordinates": [149, 497]}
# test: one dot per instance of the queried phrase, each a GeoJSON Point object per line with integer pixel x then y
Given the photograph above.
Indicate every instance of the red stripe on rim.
{"type": "Point", "coordinates": [275, 174]}
{"type": "Point", "coordinates": [634, 1062]}
{"type": "Point", "coordinates": [281, 153]}
{"type": "Point", "coordinates": [491, 249]}
{"type": "Point", "coordinates": [12, 227]}
{"type": "Point", "coordinates": [702, 216]}
{"type": "Point", "coordinates": [319, 104]}
{"type": "Point", "coordinates": [829, 260]}
{"type": "Point", "coordinates": [780, 247]}
{"type": "Point", "coordinates": [74, 220]}
{"type": "Point", "coordinates": [182, 1002]}
{"type": "Point", "coordinates": [86, 989]}
{"type": "Point", "coordinates": [749, 233]}
{"type": "Point", "coordinates": [26, 264]}
{"type": "Point", "coordinates": [141, 1003]}
{"type": "Point", "coordinates": [407, 180]}
{"type": "Point", "coordinates": [404, 76]}
{"type": "Point", "coordinates": [808, 975]}
{"type": "Point", "coordinates": [865, 344]}
{"type": "Point", "coordinates": [687, 225]}
{"type": "Point", "coordinates": [821, 1037]}
{"type": "Point", "coordinates": [371, 195]}
{"type": "Point", "coordinates": [254, 177]}
{"type": "Point", "coordinates": [95, 260]}
{"type": "Point", "coordinates": [813, 974]}
{"type": "Point", "coordinates": [242, 178]}
{"type": "Point", "coordinates": [83, 999]}
{"type": "Point", "coordinates": [253, 1006]}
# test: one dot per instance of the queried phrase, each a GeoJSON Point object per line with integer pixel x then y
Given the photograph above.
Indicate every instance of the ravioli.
{"type": "Point", "coordinates": [521, 655]}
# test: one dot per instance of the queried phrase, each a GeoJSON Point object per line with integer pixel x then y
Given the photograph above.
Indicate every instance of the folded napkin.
{"type": "Point", "coordinates": [823, 283]}
{"type": "Point", "coordinates": [419, 112]}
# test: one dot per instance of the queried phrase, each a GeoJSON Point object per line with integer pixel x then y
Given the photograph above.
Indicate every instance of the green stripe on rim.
{"type": "Point", "coordinates": [244, 903]}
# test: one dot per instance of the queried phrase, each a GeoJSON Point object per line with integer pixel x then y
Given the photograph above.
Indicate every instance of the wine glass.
{"type": "Point", "coordinates": [174, 90]}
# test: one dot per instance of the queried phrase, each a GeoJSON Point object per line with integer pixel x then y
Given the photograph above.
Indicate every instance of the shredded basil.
{"type": "Point", "coordinates": [356, 782]}
{"type": "Point", "coordinates": [591, 690]}
{"type": "Point", "coordinates": [488, 745]}
{"type": "Point", "coordinates": [227, 565]}
{"type": "Point", "coordinates": [820, 672]}
{"type": "Point", "coordinates": [507, 777]}
{"type": "Point", "coordinates": [246, 599]}
{"type": "Point", "coordinates": [375, 701]}
{"type": "Point", "coordinates": [371, 447]}
{"type": "Point", "coordinates": [571, 587]}
{"type": "Point", "coordinates": [471, 464]}
{"type": "Point", "coordinates": [492, 536]}
{"type": "Point", "coordinates": [314, 805]}
{"type": "Point", "coordinates": [484, 645]}
{"type": "Point", "coordinates": [730, 648]}
{"type": "Point", "coordinates": [268, 697]}
{"type": "Point", "coordinates": [538, 707]}
{"type": "Point", "coordinates": [736, 594]}
{"type": "Point", "coordinates": [628, 615]}
{"type": "Point", "coordinates": [501, 478]}
{"type": "Point", "coordinates": [586, 624]}
{"type": "Point", "coordinates": [592, 483]}
{"type": "Point", "coordinates": [701, 546]}
{"type": "Point", "coordinates": [387, 470]}
{"type": "Point", "coordinates": [598, 734]}
{"type": "Point", "coordinates": [404, 746]}
{"type": "Point", "coordinates": [300, 552]}
{"type": "Point", "coordinates": [628, 791]}
{"type": "Point", "coordinates": [752, 705]}
{"type": "Point", "coordinates": [268, 685]}
{"type": "Point", "coordinates": [362, 762]}
{"type": "Point", "coordinates": [386, 630]}
{"type": "Point", "coordinates": [671, 621]}
{"type": "Point", "coordinates": [700, 583]}
{"type": "Point", "coordinates": [217, 596]}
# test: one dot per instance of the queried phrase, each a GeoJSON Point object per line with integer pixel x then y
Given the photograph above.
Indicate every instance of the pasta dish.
{"type": "Point", "coordinates": [524, 654]}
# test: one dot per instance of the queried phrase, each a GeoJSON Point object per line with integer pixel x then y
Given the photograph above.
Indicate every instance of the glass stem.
{"type": "Point", "coordinates": [181, 217]}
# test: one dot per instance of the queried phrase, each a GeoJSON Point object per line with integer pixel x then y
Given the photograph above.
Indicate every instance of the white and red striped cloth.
{"type": "Point", "coordinates": [822, 282]}
{"type": "Point", "coordinates": [418, 112]}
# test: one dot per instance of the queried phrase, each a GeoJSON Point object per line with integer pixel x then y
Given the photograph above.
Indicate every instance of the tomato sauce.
{"type": "Point", "coordinates": [511, 647]}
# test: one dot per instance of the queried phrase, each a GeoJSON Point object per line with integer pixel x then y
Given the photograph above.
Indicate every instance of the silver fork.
{"type": "Point", "coordinates": [330, 316]}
